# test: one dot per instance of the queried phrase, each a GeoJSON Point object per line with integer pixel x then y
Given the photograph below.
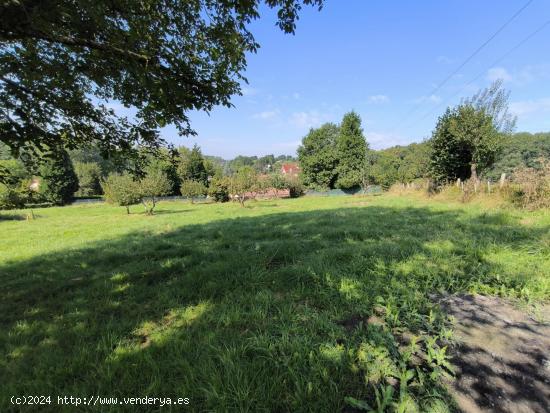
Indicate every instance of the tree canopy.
{"type": "Point", "coordinates": [318, 158]}
{"type": "Point", "coordinates": [351, 149]}
{"type": "Point", "coordinates": [63, 64]}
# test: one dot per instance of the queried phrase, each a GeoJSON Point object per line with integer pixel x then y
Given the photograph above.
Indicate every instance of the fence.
{"type": "Point", "coordinates": [371, 190]}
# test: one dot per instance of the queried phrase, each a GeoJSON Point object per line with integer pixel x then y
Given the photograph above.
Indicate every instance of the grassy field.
{"type": "Point", "coordinates": [285, 305]}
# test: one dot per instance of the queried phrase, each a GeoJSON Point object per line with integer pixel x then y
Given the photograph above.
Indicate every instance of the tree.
{"type": "Point", "coordinates": [166, 161]}
{"type": "Point", "coordinates": [520, 150]}
{"type": "Point", "coordinates": [89, 178]}
{"type": "Point", "coordinates": [121, 189]}
{"type": "Point", "coordinates": [59, 180]}
{"type": "Point", "coordinates": [61, 62]}
{"type": "Point", "coordinates": [153, 185]}
{"type": "Point", "coordinates": [243, 182]}
{"type": "Point", "coordinates": [219, 188]}
{"type": "Point", "coordinates": [351, 149]}
{"type": "Point", "coordinates": [381, 169]}
{"type": "Point", "coordinates": [318, 158]}
{"type": "Point", "coordinates": [192, 166]}
{"type": "Point", "coordinates": [464, 142]}
{"type": "Point", "coordinates": [192, 189]}
{"type": "Point", "coordinates": [494, 100]}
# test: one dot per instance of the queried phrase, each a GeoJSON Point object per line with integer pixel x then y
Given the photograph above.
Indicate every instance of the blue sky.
{"type": "Point", "coordinates": [382, 59]}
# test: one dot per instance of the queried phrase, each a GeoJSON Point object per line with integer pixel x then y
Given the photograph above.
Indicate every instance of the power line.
{"type": "Point", "coordinates": [469, 58]}
{"type": "Point", "coordinates": [497, 61]}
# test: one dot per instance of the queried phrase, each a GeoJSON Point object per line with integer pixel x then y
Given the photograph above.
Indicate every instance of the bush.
{"type": "Point", "coordinates": [295, 187]}
{"type": "Point", "coordinates": [219, 189]}
{"type": "Point", "coordinates": [121, 190]}
{"type": "Point", "coordinates": [89, 178]}
{"type": "Point", "coordinates": [192, 189]}
{"type": "Point", "coordinates": [11, 197]}
{"type": "Point", "coordinates": [531, 187]}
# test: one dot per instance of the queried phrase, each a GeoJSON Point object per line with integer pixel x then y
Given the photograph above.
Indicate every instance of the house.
{"type": "Point", "coordinates": [290, 169]}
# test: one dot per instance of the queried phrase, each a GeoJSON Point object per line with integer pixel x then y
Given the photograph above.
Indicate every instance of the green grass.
{"type": "Point", "coordinates": [262, 308]}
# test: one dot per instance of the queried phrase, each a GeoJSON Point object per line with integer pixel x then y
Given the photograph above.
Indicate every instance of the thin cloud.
{"type": "Point", "coordinates": [309, 119]}
{"type": "Point", "coordinates": [378, 99]}
{"type": "Point", "coordinates": [497, 73]}
{"type": "Point", "coordinates": [266, 115]}
{"type": "Point", "coordinates": [444, 60]}
{"type": "Point", "coordinates": [381, 140]}
{"type": "Point", "coordinates": [431, 99]}
{"type": "Point", "coordinates": [249, 91]}
{"type": "Point", "coordinates": [530, 107]}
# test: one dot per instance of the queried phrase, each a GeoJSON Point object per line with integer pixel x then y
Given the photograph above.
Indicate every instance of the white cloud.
{"type": "Point", "coordinates": [266, 115]}
{"type": "Point", "coordinates": [296, 95]}
{"type": "Point", "coordinates": [431, 99]}
{"type": "Point", "coordinates": [378, 99]}
{"type": "Point", "coordinates": [496, 73]}
{"type": "Point", "coordinates": [381, 140]}
{"type": "Point", "coordinates": [309, 119]}
{"type": "Point", "coordinates": [523, 76]}
{"type": "Point", "coordinates": [529, 107]}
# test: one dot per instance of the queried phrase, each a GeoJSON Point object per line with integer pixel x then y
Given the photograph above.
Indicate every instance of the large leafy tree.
{"type": "Point", "coordinates": [464, 143]}
{"type": "Point", "coordinates": [351, 151]}
{"type": "Point", "coordinates": [468, 138]}
{"type": "Point", "coordinates": [318, 156]}
{"type": "Point", "coordinates": [61, 61]}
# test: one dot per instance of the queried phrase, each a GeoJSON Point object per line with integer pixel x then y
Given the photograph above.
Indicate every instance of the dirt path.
{"type": "Point", "coordinates": [502, 357]}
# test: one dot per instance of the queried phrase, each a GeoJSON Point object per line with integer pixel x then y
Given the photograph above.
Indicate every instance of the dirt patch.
{"type": "Point", "coordinates": [502, 355]}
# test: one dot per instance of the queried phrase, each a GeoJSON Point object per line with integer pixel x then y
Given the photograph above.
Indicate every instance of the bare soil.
{"type": "Point", "coordinates": [502, 355]}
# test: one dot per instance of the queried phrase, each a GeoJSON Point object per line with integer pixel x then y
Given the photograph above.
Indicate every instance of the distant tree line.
{"type": "Point", "coordinates": [473, 139]}
{"type": "Point", "coordinates": [85, 172]}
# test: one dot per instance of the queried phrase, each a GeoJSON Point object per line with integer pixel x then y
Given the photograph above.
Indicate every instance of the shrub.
{"type": "Point", "coordinates": [89, 178]}
{"type": "Point", "coordinates": [295, 187]}
{"type": "Point", "coordinates": [192, 189]}
{"type": "Point", "coordinates": [219, 189]}
{"type": "Point", "coordinates": [531, 187]}
{"type": "Point", "coordinates": [11, 197]}
{"type": "Point", "coordinates": [121, 190]}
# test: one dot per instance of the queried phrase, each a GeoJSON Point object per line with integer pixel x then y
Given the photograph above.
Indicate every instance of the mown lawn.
{"type": "Point", "coordinates": [285, 305]}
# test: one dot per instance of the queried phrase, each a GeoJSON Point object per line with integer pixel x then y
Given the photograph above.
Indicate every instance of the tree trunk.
{"type": "Point", "coordinates": [473, 175]}
{"type": "Point", "coordinates": [128, 209]}
{"type": "Point", "coordinates": [154, 203]}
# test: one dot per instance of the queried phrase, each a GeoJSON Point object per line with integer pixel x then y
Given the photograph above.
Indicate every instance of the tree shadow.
{"type": "Point", "coordinates": [500, 357]}
{"type": "Point", "coordinates": [239, 314]}
{"type": "Point", "coordinates": [11, 217]}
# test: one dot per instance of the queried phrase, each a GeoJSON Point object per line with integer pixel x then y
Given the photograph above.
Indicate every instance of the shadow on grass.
{"type": "Point", "coordinates": [10, 216]}
{"type": "Point", "coordinates": [243, 314]}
